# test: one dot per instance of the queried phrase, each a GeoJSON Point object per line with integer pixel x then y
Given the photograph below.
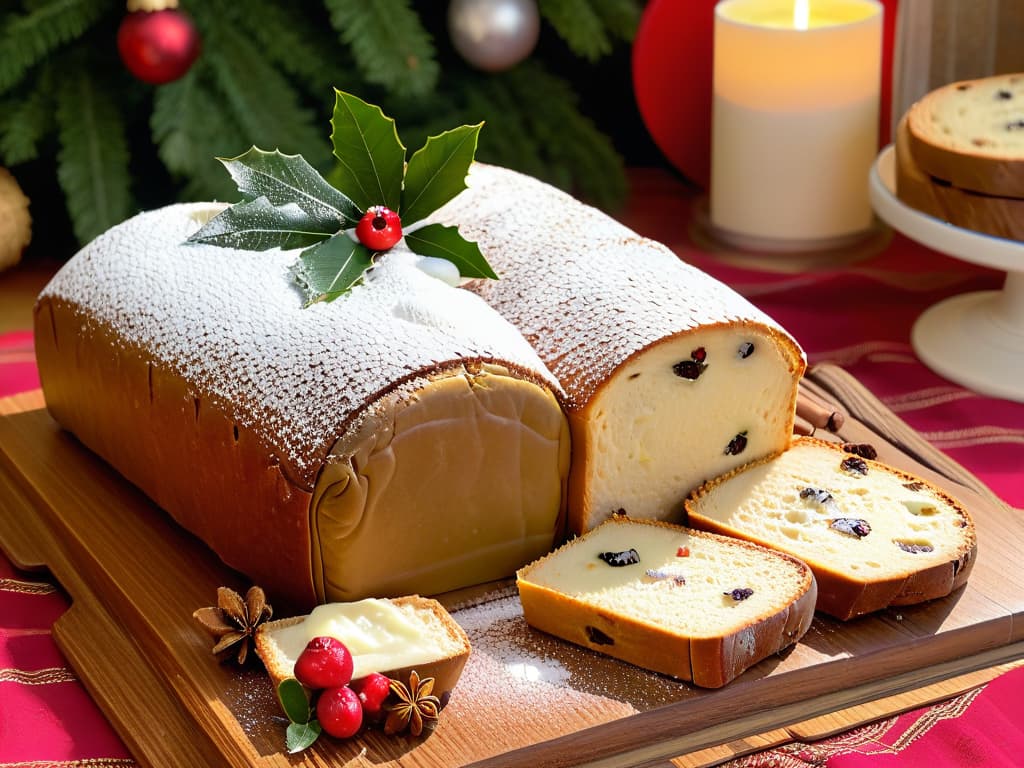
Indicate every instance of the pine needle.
{"type": "Point", "coordinates": [92, 165]}
{"type": "Point", "coordinates": [270, 115]}
{"type": "Point", "coordinates": [577, 22]}
{"type": "Point", "coordinates": [27, 121]}
{"type": "Point", "coordinates": [389, 44]}
{"type": "Point", "coordinates": [27, 38]}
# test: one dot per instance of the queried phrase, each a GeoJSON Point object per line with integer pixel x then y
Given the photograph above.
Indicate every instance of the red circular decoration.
{"type": "Point", "coordinates": [672, 76]}
{"type": "Point", "coordinates": [157, 46]}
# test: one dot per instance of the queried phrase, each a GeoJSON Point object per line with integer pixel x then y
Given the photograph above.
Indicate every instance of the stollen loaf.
{"type": "Point", "coordinates": [873, 535]}
{"type": "Point", "coordinates": [401, 439]}
{"type": "Point", "coordinates": [672, 378]}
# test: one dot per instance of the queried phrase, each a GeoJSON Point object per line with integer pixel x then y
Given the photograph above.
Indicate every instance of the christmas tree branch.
{"type": "Point", "coordinates": [579, 24]}
{"type": "Point", "coordinates": [27, 38]}
{"type": "Point", "coordinates": [389, 43]}
{"type": "Point", "coordinates": [93, 159]}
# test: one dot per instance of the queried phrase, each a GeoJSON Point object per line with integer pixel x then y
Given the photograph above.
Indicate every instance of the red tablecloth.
{"type": "Point", "coordinates": [858, 316]}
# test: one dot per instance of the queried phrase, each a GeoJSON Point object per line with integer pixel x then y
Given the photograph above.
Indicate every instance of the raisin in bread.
{"type": "Point", "coordinates": [997, 216]}
{"type": "Point", "coordinates": [692, 605]}
{"type": "Point", "coordinates": [874, 536]}
{"type": "Point", "coordinates": [401, 439]}
{"type": "Point", "coordinates": [392, 637]}
{"type": "Point", "coordinates": [672, 378]}
{"type": "Point", "coordinates": [970, 134]}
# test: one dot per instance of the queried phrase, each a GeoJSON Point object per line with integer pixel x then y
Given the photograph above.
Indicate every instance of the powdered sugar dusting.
{"type": "Point", "coordinates": [586, 291]}
{"type": "Point", "coordinates": [232, 324]}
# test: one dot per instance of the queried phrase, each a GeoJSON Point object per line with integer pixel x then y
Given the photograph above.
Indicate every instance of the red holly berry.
{"type": "Point", "coordinates": [340, 712]}
{"type": "Point", "coordinates": [372, 691]}
{"type": "Point", "coordinates": [324, 663]}
{"type": "Point", "coordinates": [379, 229]}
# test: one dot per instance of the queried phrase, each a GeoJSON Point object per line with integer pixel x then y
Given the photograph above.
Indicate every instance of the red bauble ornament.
{"type": "Point", "coordinates": [158, 46]}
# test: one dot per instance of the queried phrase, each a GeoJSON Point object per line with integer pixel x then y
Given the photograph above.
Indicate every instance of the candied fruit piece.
{"type": "Point", "coordinates": [746, 350]}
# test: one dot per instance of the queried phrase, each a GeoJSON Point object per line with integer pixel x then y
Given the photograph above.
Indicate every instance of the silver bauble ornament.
{"type": "Point", "coordinates": [493, 35]}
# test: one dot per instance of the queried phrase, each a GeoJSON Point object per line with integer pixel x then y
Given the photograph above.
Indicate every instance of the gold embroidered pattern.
{"type": "Point", "coordinates": [26, 587]}
{"type": "Point", "coordinates": [37, 676]}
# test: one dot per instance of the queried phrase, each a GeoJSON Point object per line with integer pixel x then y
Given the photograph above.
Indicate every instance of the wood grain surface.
{"type": "Point", "coordinates": [134, 578]}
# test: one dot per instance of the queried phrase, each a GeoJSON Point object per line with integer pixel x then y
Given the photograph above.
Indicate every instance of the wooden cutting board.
{"type": "Point", "coordinates": [525, 699]}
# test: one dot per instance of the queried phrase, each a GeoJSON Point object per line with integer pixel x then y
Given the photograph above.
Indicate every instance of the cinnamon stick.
{"type": "Point", "coordinates": [819, 416]}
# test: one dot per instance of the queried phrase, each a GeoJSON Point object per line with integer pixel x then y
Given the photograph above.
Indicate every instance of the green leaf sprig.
{"type": "Point", "coordinates": [303, 728]}
{"type": "Point", "coordinates": [287, 204]}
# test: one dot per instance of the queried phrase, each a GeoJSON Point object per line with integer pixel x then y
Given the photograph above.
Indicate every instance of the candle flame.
{"type": "Point", "coordinates": [801, 13]}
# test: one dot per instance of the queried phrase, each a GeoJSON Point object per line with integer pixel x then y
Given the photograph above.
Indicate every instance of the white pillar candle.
{"type": "Point", "coordinates": [795, 118]}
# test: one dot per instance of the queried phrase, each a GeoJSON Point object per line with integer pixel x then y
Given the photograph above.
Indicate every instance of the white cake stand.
{"type": "Point", "coordinates": [976, 339]}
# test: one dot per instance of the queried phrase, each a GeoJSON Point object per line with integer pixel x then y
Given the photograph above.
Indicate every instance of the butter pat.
{"type": "Point", "coordinates": [382, 635]}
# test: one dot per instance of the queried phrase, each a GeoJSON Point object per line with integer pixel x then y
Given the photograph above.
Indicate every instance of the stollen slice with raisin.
{"type": "Point", "coordinates": [689, 604]}
{"type": "Point", "coordinates": [875, 536]}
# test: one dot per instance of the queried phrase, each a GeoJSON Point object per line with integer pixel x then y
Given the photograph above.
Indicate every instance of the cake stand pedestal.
{"type": "Point", "coordinates": [976, 339]}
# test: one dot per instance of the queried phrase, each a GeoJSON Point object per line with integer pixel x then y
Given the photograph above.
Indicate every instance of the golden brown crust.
{"type": "Point", "coordinates": [446, 671]}
{"type": "Point", "coordinates": [214, 476]}
{"type": "Point", "coordinates": [843, 595]}
{"type": "Point", "coordinates": [999, 216]}
{"type": "Point", "coordinates": [708, 662]}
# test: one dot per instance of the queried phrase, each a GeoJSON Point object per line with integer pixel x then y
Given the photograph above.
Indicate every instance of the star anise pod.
{"type": "Point", "coordinates": [416, 705]}
{"type": "Point", "coordinates": [233, 621]}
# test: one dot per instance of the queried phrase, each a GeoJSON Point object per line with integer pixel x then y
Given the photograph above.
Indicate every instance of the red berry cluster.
{"type": "Point", "coordinates": [325, 665]}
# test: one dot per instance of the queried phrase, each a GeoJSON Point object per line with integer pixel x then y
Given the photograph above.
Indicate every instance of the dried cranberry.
{"type": "Point", "coordinates": [737, 445]}
{"type": "Point", "coordinates": [864, 450]}
{"type": "Point", "coordinates": [739, 594]}
{"type": "Point", "coordinates": [699, 355]}
{"type": "Point", "coordinates": [688, 369]}
{"type": "Point", "coordinates": [855, 465]}
{"type": "Point", "coordinates": [619, 559]}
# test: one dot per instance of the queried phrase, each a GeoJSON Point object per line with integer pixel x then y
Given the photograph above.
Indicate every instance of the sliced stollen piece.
{"type": "Point", "coordinates": [401, 439]}
{"type": "Point", "coordinates": [689, 604]}
{"type": "Point", "coordinates": [874, 536]}
{"type": "Point", "coordinates": [672, 377]}
{"type": "Point", "coordinates": [970, 134]}
{"type": "Point", "coordinates": [998, 216]}
{"type": "Point", "coordinates": [392, 637]}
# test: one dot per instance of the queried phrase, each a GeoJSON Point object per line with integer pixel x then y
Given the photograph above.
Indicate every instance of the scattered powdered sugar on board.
{"type": "Point", "coordinates": [586, 291]}
{"type": "Point", "coordinates": [232, 324]}
{"type": "Point", "coordinates": [514, 668]}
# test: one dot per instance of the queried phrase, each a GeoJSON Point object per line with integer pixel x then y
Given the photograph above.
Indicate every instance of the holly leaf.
{"type": "Point", "coordinates": [284, 179]}
{"type": "Point", "coordinates": [329, 269]}
{"type": "Point", "coordinates": [372, 156]}
{"type": "Point", "coordinates": [446, 243]}
{"type": "Point", "coordinates": [437, 172]}
{"type": "Point", "coordinates": [298, 736]}
{"type": "Point", "coordinates": [259, 225]}
{"type": "Point", "coordinates": [294, 700]}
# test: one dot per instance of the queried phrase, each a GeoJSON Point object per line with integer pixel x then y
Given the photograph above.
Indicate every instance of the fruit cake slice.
{"type": "Point", "coordinates": [672, 377]}
{"type": "Point", "coordinates": [874, 536]}
{"type": "Point", "coordinates": [971, 134]}
{"type": "Point", "coordinates": [402, 438]}
{"type": "Point", "coordinates": [689, 604]}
